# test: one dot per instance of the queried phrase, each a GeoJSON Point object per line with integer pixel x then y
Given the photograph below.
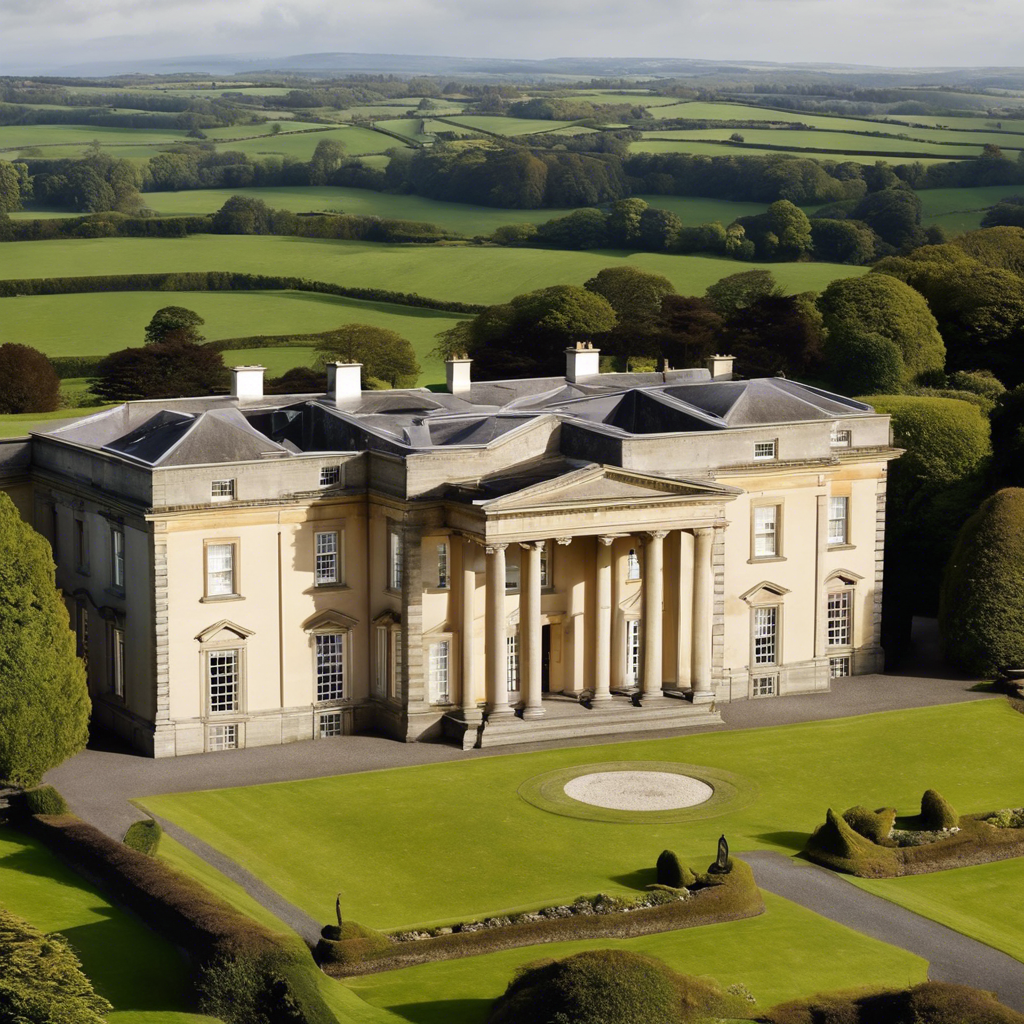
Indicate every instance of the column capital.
{"type": "Point", "coordinates": [532, 545]}
{"type": "Point", "coordinates": [493, 549]}
{"type": "Point", "coordinates": [606, 541]}
{"type": "Point", "coordinates": [703, 531]}
{"type": "Point", "coordinates": [563, 541]}
{"type": "Point", "coordinates": [650, 535]}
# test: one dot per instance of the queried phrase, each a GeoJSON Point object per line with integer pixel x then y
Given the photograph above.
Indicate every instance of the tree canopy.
{"type": "Point", "coordinates": [634, 294]}
{"type": "Point", "coordinates": [165, 369]}
{"type": "Point", "coordinates": [737, 291]}
{"type": "Point", "coordinates": [174, 323]}
{"type": "Point", "coordinates": [386, 356]}
{"type": "Point", "coordinates": [243, 215]}
{"type": "Point", "coordinates": [44, 701]}
{"type": "Point", "coordinates": [28, 381]}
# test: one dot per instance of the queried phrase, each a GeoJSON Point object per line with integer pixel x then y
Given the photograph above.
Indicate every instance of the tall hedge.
{"type": "Point", "coordinates": [44, 701]}
{"type": "Point", "coordinates": [981, 615]}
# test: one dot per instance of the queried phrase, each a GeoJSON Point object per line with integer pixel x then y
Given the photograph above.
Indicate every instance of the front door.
{"type": "Point", "coordinates": [545, 659]}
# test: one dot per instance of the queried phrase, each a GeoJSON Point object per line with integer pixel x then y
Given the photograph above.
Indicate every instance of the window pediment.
{"type": "Point", "coordinates": [328, 622]}
{"type": "Point", "coordinates": [225, 630]}
{"type": "Point", "coordinates": [843, 577]}
{"type": "Point", "coordinates": [388, 618]}
{"type": "Point", "coordinates": [764, 591]}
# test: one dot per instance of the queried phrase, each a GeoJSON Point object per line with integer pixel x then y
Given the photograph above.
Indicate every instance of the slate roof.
{"type": "Point", "coordinates": [219, 429]}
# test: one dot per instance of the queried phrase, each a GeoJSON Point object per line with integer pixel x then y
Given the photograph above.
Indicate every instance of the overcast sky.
{"type": "Point", "coordinates": [916, 33]}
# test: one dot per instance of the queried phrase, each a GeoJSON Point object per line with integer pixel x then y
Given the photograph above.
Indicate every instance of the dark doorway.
{"type": "Point", "coordinates": [545, 659]}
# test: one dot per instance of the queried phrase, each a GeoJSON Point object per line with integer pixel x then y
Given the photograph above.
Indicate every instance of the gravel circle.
{"type": "Point", "coordinates": [638, 790]}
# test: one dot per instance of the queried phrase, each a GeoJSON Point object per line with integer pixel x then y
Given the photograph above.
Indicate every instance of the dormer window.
{"type": "Point", "coordinates": [840, 438]}
{"type": "Point", "coordinates": [222, 490]}
{"type": "Point", "coordinates": [764, 451]}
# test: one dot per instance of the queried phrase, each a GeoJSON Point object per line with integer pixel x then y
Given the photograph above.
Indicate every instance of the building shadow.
{"type": "Point", "coordinates": [444, 1011]}
{"type": "Point", "coordinates": [636, 879]}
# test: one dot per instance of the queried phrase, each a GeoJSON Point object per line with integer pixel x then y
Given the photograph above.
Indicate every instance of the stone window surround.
{"type": "Point", "coordinates": [236, 570]}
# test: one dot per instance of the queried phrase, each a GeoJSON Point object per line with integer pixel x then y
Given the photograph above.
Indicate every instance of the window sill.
{"type": "Point", "coordinates": [319, 587]}
{"type": "Point", "coordinates": [437, 590]}
{"type": "Point", "coordinates": [766, 558]}
{"type": "Point", "coordinates": [216, 598]}
{"type": "Point", "coordinates": [841, 547]}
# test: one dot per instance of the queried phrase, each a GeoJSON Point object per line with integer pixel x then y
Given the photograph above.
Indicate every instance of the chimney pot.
{"type": "Point", "coordinates": [582, 361]}
{"type": "Point", "coordinates": [721, 367]}
{"type": "Point", "coordinates": [344, 382]}
{"type": "Point", "coordinates": [457, 375]}
{"type": "Point", "coordinates": [247, 381]}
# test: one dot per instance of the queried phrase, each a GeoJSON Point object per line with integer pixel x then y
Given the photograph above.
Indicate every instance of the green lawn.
{"type": "Point", "coordinates": [501, 853]}
{"type": "Point", "coordinates": [300, 146]}
{"type": "Point", "coordinates": [464, 273]}
{"type": "Point", "coordinates": [778, 956]}
{"type": "Point", "coordinates": [61, 135]}
{"type": "Point", "coordinates": [507, 125]}
{"type": "Point", "coordinates": [18, 424]}
{"type": "Point", "coordinates": [108, 321]}
{"type": "Point", "coordinates": [145, 978]}
{"type": "Point", "coordinates": [983, 902]}
{"type": "Point", "coordinates": [831, 150]}
{"type": "Point", "coordinates": [277, 359]}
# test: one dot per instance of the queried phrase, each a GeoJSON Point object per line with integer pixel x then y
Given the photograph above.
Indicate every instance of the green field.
{"type": "Point", "coordinates": [145, 978]}
{"type": "Point", "coordinates": [462, 273]}
{"type": "Point", "coordinates": [300, 145]}
{"type": "Point", "coordinates": [961, 209]}
{"type": "Point", "coordinates": [63, 140]}
{"type": "Point", "coordinates": [461, 991]}
{"type": "Point", "coordinates": [333, 824]}
{"type": "Point", "coordinates": [983, 902]}
{"type": "Point", "coordinates": [108, 321]}
{"type": "Point", "coordinates": [511, 126]}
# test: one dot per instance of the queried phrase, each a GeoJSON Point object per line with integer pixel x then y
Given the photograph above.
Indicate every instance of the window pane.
{"type": "Point", "coordinates": [837, 513]}
{"type": "Point", "coordinates": [222, 490]}
{"type": "Point", "coordinates": [765, 520]}
{"type": "Point", "coordinates": [329, 475]}
{"type": "Point", "coordinates": [220, 569]}
{"type": "Point", "coordinates": [632, 565]}
{"type": "Point", "coordinates": [765, 635]}
{"type": "Point", "coordinates": [330, 666]}
{"type": "Point", "coordinates": [395, 556]}
{"type": "Point", "coordinates": [439, 669]}
{"type": "Point", "coordinates": [223, 737]}
{"type": "Point", "coordinates": [117, 558]}
{"type": "Point", "coordinates": [632, 650]}
{"type": "Point", "coordinates": [839, 608]}
{"type": "Point", "coordinates": [326, 558]}
{"type": "Point", "coordinates": [764, 450]}
{"type": "Point", "coordinates": [442, 565]}
{"type": "Point", "coordinates": [511, 577]}
{"type": "Point", "coordinates": [545, 576]}
{"type": "Point", "coordinates": [330, 725]}
{"type": "Point", "coordinates": [223, 667]}
{"type": "Point", "coordinates": [512, 661]}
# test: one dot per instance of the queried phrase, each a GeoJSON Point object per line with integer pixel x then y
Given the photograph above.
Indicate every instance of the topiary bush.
{"type": "Point", "coordinates": [836, 845]}
{"type": "Point", "coordinates": [937, 812]}
{"type": "Point", "coordinates": [672, 872]}
{"type": "Point", "coordinates": [45, 800]}
{"type": "Point", "coordinates": [611, 986]}
{"type": "Point", "coordinates": [143, 836]}
{"type": "Point", "coordinates": [351, 943]}
{"type": "Point", "coordinates": [981, 616]}
{"type": "Point", "coordinates": [873, 825]}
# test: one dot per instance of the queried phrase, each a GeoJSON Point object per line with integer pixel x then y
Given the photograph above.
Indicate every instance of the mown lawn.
{"type": "Point", "coordinates": [983, 902]}
{"type": "Point", "coordinates": [462, 273]}
{"type": "Point", "coordinates": [145, 977]}
{"type": "Point", "coordinates": [778, 956]}
{"type": "Point", "coordinates": [439, 843]}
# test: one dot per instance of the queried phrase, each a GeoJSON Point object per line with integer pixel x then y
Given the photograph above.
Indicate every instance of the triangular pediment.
{"type": "Point", "coordinates": [224, 631]}
{"type": "Point", "coordinates": [764, 591]}
{"type": "Point", "coordinates": [329, 620]}
{"type": "Point", "coordinates": [607, 486]}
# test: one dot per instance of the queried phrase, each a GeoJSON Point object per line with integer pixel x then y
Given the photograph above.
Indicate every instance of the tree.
{"type": "Point", "coordinates": [41, 978]}
{"type": "Point", "coordinates": [894, 214]}
{"type": "Point", "coordinates": [1008, 439]}
{"type": "Point", "coordinates": [737, 291]}
{"type": "Point", "coordinates": [174, 323]}
{"type": "Point", "coordinates": [624, 222]}
{"type": "Point", "coordinates": [689, 330]}
{"type": "Point", "coordinates": [981, 617]}
{"type": "Point", "coordinates": [10, 187]}
{"type": "Point", "coordinates": [28, 382]}
{"type": "Point", "coordinates": [634, 294]}
{"type": "Point", "coordinates": [791, 230]}
{"type": "Point", "coordinates": [861, 362]}
{"type": "Point", "coordinates": [162, 369]}
{"type": "Point", "coordinates": [326, 159]}
{"type": "Point", "coordinates": [842, 241]}
{"type": "Point", "coordinates": [879, 304]}
{"type": "Point", "coordinates": [659, 229]}
{"type": "Point", "coordinates": [776, 334]}
{"type": "Point", "coordinates": [44, 700]}
{"type": "Point", "coordinates": [243, 215]}
{"type": "Point", "coordinates": [581, 229]}
{"type": "Point", "coordinates": [385, 355]}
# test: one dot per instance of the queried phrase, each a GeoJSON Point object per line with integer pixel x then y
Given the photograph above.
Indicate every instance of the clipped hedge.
{"type": "Point", "coordinates": [143, 836]}
{"type": "Point", "coordinates": [227, 944]}
{"type": "Point", "coordinates": [45, 800]}
{"type": "Point", "coordinates": [219, 280]}
{"type": "Point", "coordinates": [937, 812]}
{"type": "Point", "coordinates": [873, 825]}
{"type": "Point", "coordinates": [717, 898]}
{"type": "Point", "coordinates": [672, 872]}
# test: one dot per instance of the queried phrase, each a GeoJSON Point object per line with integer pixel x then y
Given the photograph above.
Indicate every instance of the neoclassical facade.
{"type": "Point", "coordinates": [496, 563]}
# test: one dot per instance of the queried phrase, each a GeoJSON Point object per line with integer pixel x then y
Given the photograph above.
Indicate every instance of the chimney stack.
{"type": "Point", "coordinates": [247, 381]}
{"type": "Point", "coordinates": [457, 375]}
{"type": "Point", "coordinates": [721, 367]}
{"type": "Point", "coordinates": [582, 361]}
{"type": "Point", "coordinates": [344, 382]}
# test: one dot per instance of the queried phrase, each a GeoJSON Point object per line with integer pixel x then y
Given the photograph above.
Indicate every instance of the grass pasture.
{"type": "Point", "coordinates": [462, 273]}
{"type": "Point", "coordinates": [523, 857]}
{"type": "Point", "coordinates": [65, 140]}
{"type": "Point", "coordinates": [145, 977]}
{"type": "Point", "coordinates": [511, 126]}
{"type": "Point", "coordinates": [107, 321]}
{"type": "Point", "coordinates": [300, 145]}
{"type": "Point", "coordinates": [961, 209]}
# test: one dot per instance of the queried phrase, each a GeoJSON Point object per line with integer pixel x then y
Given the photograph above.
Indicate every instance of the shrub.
{"type": "Point", "coordinates": [836, 845]}
{"type": "Point", "coordinates": [672, 873]}
{"type": "Point", "coordinates": [28, 382]}
{"type": "Point", "coordinates": [45, 800]}
{"type": "Point", "coordinates": [41, 979]}
{"type": "Point", "coordinates": [936, 812]}
{"type": "Point", "coordinates": [163, 369]}
{"type": "Point", "coordinates": [351, 944]}
{"type": "Point", "coordinates": [873, 825]}
{"type": "Point", "coordinates": [611, 986]}
{"type": "Point", "coordinates": [143, 836]}
{"type": "Point", "coordinates": [981, 622]}
{"type": "Point", "coordinates": [980, 382]}
{"type": "Point", "coordinates": [863, 362]}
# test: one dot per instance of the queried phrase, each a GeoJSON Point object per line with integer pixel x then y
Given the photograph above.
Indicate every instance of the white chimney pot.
{"type": "Point", "coordinates": [247, 381]}
{"type": "Point", "coordinates": [458, 377]}
{"type": "Point", "coordinates": [582, 362]}
{"type": "Point", "coordinates": [344, 382]}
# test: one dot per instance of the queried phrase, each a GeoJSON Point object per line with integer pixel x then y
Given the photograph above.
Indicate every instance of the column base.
{"type": "Point", "coordinates": [500, 714]}
{"type": "Point", "coordinates": [533, 713]}
{"type": "Point", "coordinates": [701, 696]}
{"type": "Point", "coordinates": [655, 697]}
{"type": "Point", "coordinates": [471, 716]}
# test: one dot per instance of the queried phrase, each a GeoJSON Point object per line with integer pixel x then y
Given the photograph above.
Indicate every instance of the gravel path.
{"type": "Point", "coordinates": [951, 956]}
{"type": "Point", "coordinates": [638, 791]}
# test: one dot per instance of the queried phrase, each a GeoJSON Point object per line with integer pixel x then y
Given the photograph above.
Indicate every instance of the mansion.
{"type": "Point", "coordinates": [499, 562]}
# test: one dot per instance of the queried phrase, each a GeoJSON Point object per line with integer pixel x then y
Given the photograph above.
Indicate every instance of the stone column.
{"type": "Point", "coordinates": [530, 631]}
{"type": "Point", "coordinates": [467, 550]}
{"type": "Point", "coordinates": [703, 594]}
{"type": "Point", "coordinates": [684, 611]}
{"type": "Point", "coordinates": [654, 611]}
{"type": "Point", "coordinates": [603, 623]}
{"type": "Point", "coordinates": [497, 683]}
{"type": "Point", "coordinates": [820, 568]}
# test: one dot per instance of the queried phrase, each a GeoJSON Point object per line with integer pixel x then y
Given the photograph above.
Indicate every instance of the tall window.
{"type": "Point", "coordinates": [222, 490]}
{"type": "Point", "coordinates": [511, 576]}
{"type": "Point", "coordinates": [440, 656]}
{"type": "Point", "coordinates": [117, 662]}
{"type": "Point", "coordinates": [81, 546]}
{"type": "Point", "coordinates": [840, 438]}
{"type": "Point", "coordinates": [327, 558]}
{"type": "Point", "coordinates": [512, 661]}
{"type": "Point", "coordinates": [545, 565]}
{"type": "Point", "coordinates": [838, 513]}
{"type": "Point", "coordinates": [380, 677]}
{"type": "Point", "coordinates": [443, 579]}
{"type": "Point", "coordinates": [117, 558]}
{"type": "Point", "coordinates": [223, 672]}
{"type": "Point", "coordinates": [632, 650]}
{"type": "Point", "coordinates": [220, 570]}
{"type": "Point", "coordinates": [330, 666]}
{"type": "Point", "coordinates": [765, 635]}
{"type": "Point", "coordinates": [764, 450]}
{"type": "Point", "coordinates": [329, 475]}
{"type": "Point", "coordinates": [766, 521]}
{"type": "Point", "coordinates": [840, 607]}
{"type": "Point", "coordinates": [632, 565]}
{"type": "Point", "coordinates": [395, 679]}
{"type": "Point", "coordinates": [394, 560]}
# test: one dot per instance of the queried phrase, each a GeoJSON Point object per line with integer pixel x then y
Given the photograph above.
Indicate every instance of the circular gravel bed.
{"type": "Point", "coordinates": [638, 790]}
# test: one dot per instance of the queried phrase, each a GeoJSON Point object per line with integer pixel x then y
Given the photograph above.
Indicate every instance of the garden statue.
{"type": "Point", "coordinates": [722, 863]}
{"type": "Point", "coordinates": [337, 910]}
